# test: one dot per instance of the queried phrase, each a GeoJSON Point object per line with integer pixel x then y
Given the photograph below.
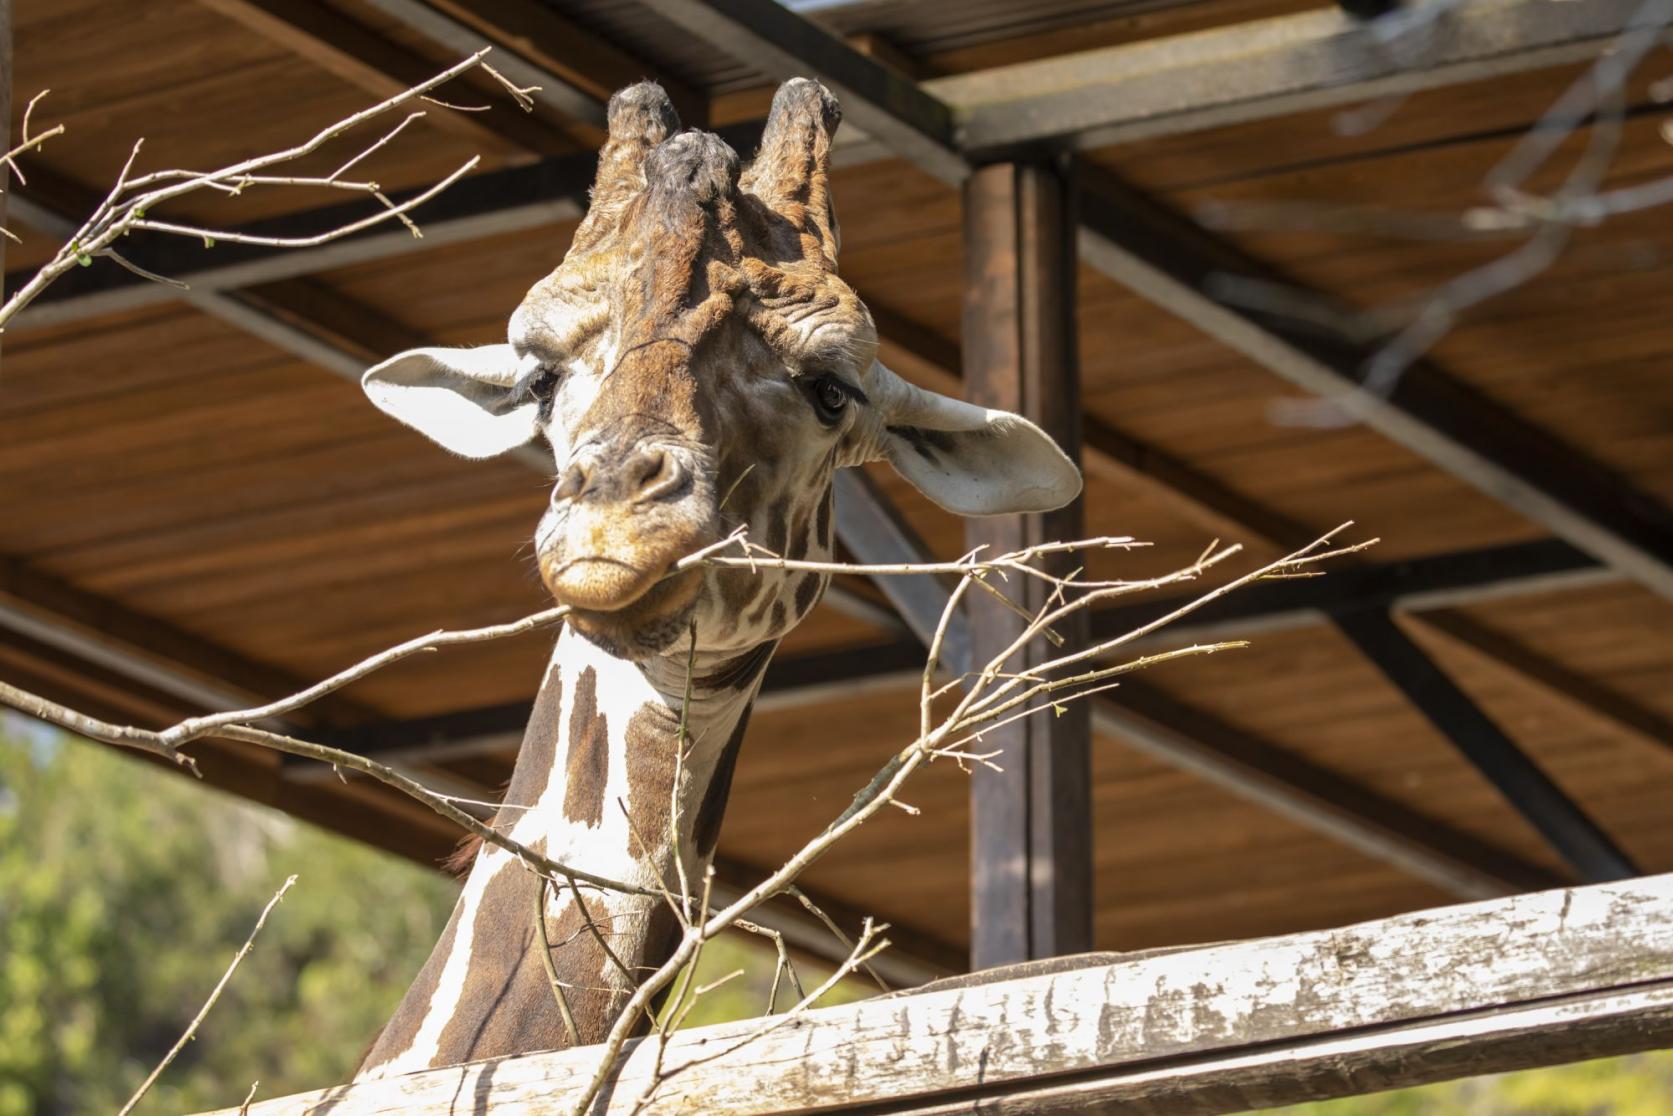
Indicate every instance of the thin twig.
{"type": "Point", "coordinates": [546, 960]}
{"type": "Point", "coordinates": [220, 986]}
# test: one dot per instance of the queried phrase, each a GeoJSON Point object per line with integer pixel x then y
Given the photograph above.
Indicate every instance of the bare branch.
{"type": "Point", "coordinates": [131, 199]}
{"type": "Point", "coordinates": [203, 1012]}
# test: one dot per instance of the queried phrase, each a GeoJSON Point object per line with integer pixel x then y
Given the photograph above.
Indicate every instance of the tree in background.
{"type": "Point", "coordinates": [124, 892]}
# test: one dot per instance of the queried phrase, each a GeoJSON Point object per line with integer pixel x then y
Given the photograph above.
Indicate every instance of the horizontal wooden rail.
{"type": "Point", "coordinates": [1483, 987]}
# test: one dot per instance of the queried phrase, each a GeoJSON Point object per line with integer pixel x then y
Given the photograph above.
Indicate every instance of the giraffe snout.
{"type": "Point", "coordinates": [623, 512]}
{"type": "Point", "coordinates": [648, 474]}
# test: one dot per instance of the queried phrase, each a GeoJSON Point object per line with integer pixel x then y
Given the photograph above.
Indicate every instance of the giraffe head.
{"type": "Point", "coordinates": [696, 363]}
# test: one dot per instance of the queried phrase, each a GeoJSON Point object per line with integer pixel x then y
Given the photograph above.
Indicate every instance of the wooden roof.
{"type": "Point", "coordinates": [187, 511]}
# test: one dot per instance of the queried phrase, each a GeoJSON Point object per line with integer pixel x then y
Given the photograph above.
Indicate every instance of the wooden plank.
{"type": "Point", "coordinates": [358, 55]}
{"type": "Point", "coordinates": [1547, 977]}
{"type": "Point", "coordinates": [1568, 1029]}
{"type": "Point", "coordinates": [1528, 789]}
{"type": "Point", "coordinates": [1031, 828]}
{"type": "Point", "coordinates": [1264, 68]}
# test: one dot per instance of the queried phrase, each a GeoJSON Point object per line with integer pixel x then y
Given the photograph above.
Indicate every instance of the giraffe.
{"type": "Point", "coordinates": [695, 364]}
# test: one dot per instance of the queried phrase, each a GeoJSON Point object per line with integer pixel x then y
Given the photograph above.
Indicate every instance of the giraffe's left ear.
{"type": "Point", "coordinates": [969, 459]}
{"type": "Point", "coordinates": [461, 399]}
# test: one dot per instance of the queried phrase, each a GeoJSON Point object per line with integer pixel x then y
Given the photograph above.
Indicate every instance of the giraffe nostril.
{"type": "Point", "coordinates": [655, 475]}
{"type": "Point", "coordinates": [574, 483]}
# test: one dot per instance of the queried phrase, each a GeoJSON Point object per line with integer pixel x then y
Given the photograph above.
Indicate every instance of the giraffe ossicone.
{"type": "Point", "coordinates": [696, 365]}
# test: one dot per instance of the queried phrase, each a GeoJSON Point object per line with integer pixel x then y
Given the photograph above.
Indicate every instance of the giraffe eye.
{"type": "Point", "coordinates": [829, 397]}
{"type": "Point", "coordinates": [536, 385]}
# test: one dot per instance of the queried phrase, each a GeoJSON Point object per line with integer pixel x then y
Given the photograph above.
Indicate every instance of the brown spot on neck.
{"type": "Point", "coordinates": [402, 1028]}
{"type": "Point", "coordinates": [807, 593]}
{"type": "Point", "coordinates": [537, 755]}
{"type": "Point", "coordinates": [706, 832]}
{"type": "Point", "coordinates": [738, 673]}
{"type": "Point", "coordinates": [824, 527]}
{"type": "Point", "coordinates": [652, 745]}
{"type": "Point", "coordinates": [778, 530]}
{"type": "Point", "coordinates": [588, 766]}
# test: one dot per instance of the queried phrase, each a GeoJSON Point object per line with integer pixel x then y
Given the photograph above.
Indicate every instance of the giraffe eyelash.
{"type": "Point", "coordinates": [538, 385]}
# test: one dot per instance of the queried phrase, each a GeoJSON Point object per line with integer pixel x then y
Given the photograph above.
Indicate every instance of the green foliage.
{"type": "Point", "coordinates": [125, 891]}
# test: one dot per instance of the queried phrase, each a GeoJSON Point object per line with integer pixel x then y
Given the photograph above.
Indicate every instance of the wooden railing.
{"type": "Point", "coordinates": [1534, 979]}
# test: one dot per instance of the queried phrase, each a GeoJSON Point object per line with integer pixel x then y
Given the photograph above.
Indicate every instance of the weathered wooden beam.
{"type": "Point", "coordinates": [1503, 984]}
{"type": "Point", "coordinates": [1529, 790]}
{"type": "Point", "coordinates": [875, 532]}
{"type": "Point", "coordinates": [878, 99]}
{"type": "Point", "coordinates": [1598, 705]}
{"type": "Point", "coordinates": [1265, 68]}
{"type": "Point", "coordinates": [350, 50]}
{"type": "Point", "coordinates": [1031, 821]}
{"type": "Point", "coordinates": [1446, 580]}
{"type": "Point", "coordinates": [546, 86]}
{"type": "Point", "coordinates": [588, 63]}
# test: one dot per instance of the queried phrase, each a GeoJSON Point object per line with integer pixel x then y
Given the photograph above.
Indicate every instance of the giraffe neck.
{"type": "Point", "coordinates": [598, 785]}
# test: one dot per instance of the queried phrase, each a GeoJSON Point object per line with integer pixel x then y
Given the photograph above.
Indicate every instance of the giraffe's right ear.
{"type": "Point", "coordinates": [969, 459]}
{"type": "Point", "coordinates": [461, 399]}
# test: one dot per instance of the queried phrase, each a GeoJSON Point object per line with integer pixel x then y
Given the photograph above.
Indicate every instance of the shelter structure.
{"type": "Point", "coordinates": [1164, 230]}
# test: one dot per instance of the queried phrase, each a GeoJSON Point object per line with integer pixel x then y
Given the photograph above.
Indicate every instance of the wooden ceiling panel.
{"type": "Point", "coordinates": [1616, 635]}
{"type": "Point", "coordinates": [1310, 690]}
{"type": "Point", "coordinates": [423, 290]}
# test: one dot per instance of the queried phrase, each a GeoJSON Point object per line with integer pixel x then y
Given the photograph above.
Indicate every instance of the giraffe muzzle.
{"type": "Point", "coordinates": [619, 521]}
